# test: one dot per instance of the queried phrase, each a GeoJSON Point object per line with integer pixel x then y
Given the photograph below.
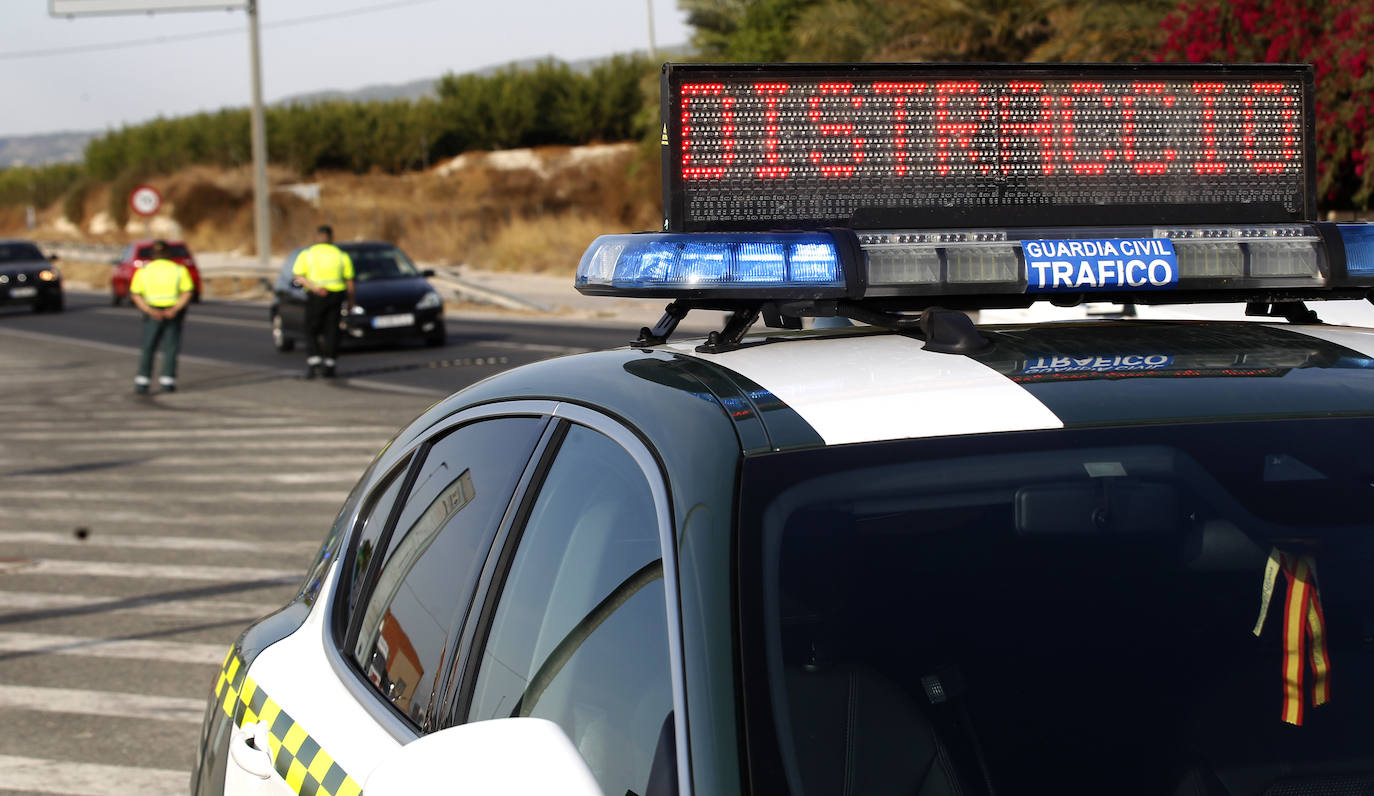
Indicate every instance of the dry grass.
{"type": "Point", "coordinates": [552, 244]}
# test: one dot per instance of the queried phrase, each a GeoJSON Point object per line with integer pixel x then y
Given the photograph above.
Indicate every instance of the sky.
{"type": "Point", "coordinates": [101, 72]}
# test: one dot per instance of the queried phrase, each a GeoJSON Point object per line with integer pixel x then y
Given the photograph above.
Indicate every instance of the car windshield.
{"type": "Point", "coordinates": [19, 252]}
{"type": "Point", "coordinates": [173, 250]}
{"type": "Point", "coordinates": [377, 264]}
{"type": "Point", "coordinates": [1063, 611]}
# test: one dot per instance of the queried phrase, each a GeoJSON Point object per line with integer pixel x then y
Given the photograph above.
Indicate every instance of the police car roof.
{"type": "Point", "coordinates": [787, 390]}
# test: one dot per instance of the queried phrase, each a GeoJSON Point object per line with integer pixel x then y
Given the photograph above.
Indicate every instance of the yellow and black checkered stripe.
{"type": "Point", "coordinates": [307, 768]}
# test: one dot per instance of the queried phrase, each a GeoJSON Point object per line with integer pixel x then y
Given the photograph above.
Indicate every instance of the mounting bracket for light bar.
{"type": "Point", "coordinates": [911, 146]}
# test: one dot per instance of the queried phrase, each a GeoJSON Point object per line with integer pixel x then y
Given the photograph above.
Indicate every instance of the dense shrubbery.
{"type": "Point", "coordinates": [38, 186]}
{"type": "Point", "coordinates": [546, 104]}
{"type": "Point", "coordinates": [1335, 36]}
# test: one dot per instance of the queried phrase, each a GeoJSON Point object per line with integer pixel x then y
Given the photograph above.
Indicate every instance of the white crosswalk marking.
{"type": "Point", "coordinates": [101, 703]}
{"type": "Point", "coordinates": [76, 604]}
{"type": "Point", "coordinates": [39, 775]}
{"type": "Point", "coordinates": [128, 649]}
{"type": "Point", "coordinates": [106, 569]}
{"type": "Point", "coordinates": [201, 433]}
{"type": "Point", "coordinates": [160, 543]}
{"type": "Point", "coordinates": [139, 537]}
{"type": "Point", "coordinates": [212, 496]}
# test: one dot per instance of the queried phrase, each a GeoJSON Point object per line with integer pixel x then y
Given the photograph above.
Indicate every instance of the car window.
{"type": "Point", "coordinates": [376, 264]}
{"type": "Point", "coordinates": [378, 505]}
{"type": "Point", "coordinates": [1069, 607]}
{"type": "Point", "coordinates": [173, 250]}
{"type": "Point", "coordinates": [371, 523]}
{"type": "Point", "coordinates": [580, 634]}
{"type": "Point", "coordinates": [285, 278]}
{"type": "Point", "coordinates": [433, 556]}
{"type": "Point", "coordinates": [19, 252]}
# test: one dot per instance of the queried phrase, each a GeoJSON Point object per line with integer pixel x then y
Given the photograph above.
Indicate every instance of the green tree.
{"type": "Point", "coordinates": [747, 30]}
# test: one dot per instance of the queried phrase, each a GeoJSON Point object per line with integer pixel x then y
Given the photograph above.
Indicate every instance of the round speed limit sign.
{"type": "Point", "coordinates": [145, 200]}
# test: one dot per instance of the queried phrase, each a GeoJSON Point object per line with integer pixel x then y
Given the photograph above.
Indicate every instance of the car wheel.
{"type": "Point", "coordinates": [195, 297]}
{"type": "Point", "coordinates": [437, 337]}
{"type": "Point", "coordinates": [58, 304]}
{"type": "Point", "coordinates": [116, 299]}
{"type": "Point", "coordinates": [279, 337]}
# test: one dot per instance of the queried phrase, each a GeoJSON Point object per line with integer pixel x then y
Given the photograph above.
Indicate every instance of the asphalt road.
{"type": "Point", "coordinates": [238, 333]}
{"type": "Point", "coordinates": [141, 534]}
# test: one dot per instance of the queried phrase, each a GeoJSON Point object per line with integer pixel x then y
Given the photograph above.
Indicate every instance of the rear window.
{"type": "Point", "coordinates": [1066, 611]}
{"type": "Point", "coordinates": [173, 250]}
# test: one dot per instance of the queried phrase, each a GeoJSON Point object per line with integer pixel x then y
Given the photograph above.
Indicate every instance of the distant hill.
{"type": "Point", "coordinates": [69, 147]}
{"type": "Point", "coordinates": [45, 148]}
{"type": "Point", "coordinates": [416, 89]}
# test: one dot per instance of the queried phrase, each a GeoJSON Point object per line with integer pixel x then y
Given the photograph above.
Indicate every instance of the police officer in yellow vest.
{"type": "Point", "coordinates": [326, 273]}
{"type": "Point", "coordinates": [161, 290]}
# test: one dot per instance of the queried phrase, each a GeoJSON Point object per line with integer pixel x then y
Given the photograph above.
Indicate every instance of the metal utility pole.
{"type": "Point", "coordinates": [650, 5]}
{"type": "Point", "coordinates": [262, 220]}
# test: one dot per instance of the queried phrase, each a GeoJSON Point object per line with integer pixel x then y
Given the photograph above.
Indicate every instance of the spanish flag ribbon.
{"type": "Point", "coordinates": [1303, 624]}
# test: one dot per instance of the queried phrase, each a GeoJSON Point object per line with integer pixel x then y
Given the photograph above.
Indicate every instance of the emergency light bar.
{"type": "Point", "coordinates": [902, 146]}
{"type": "Point", "coordinates": [914, 269]}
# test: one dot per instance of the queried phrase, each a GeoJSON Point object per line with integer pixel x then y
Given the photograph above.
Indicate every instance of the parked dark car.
{"type": "Point", "coordinates": [140, 253]}
{"type": "Point", "coordinates": [392, 300]}
{"type": "Point", "coordinates": [27, 276]}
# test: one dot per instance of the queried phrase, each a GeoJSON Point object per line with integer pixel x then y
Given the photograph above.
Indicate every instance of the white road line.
{"type": "Point", "coordinates": [552, 349]}
{"type": "Point", "coordinates": [150, 542]}
{"type": "Point", "coordinates": [102, 703]}
{"type": "Point", "coordinates": [74, 481]}
{"type": "Point", "coordinates": [150, 606]}
{"type": "Point", "coordinates": [105, 516]}
{"type": "Point", "coordinates": [199, 433]}
{"type": "Point", "coordinates": [216, 496]}
{"type": "Point", "coordinates": [106, 569]}
{"type": "Point", "coordinates": [39, 775]}
{"type": "Point", "coordinates": [142, 419]}
{"type": "Point", "coordinates": [127, 649]}
{"type": "Point", "coordinates": [351, 444]}
{"type": "Point", "coordinates": [194, 318]}
{"type": "Point", "coordinates": [333, 460]}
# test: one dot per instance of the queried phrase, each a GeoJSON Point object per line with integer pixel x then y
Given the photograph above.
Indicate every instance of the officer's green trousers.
{"type": "Point", "coordinates": [168, 332]}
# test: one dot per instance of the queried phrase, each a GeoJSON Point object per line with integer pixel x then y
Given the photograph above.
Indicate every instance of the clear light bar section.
{"type": "Point", "coordinates": [982, 264]}
{"type": "Point", "coordinates": [710, 261]}
{"type": "Point", "coordinates": [1269, 252]}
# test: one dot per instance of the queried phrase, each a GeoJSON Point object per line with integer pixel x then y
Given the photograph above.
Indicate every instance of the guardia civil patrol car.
{"type": "Point", "coordinates": [897, 551]}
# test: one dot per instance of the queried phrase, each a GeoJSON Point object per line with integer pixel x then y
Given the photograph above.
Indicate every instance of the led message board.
{"type": "Point", "coordinates": [920, 145]}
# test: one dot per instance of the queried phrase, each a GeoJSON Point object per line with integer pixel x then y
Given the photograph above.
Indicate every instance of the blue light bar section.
{"type": "Point", "coordinates": [1359, 249]}
{"type": "Point", "coordinates": [743, 261]}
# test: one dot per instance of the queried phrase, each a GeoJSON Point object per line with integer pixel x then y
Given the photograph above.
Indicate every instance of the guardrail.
{"type": "Point", "coordinates": [93, 252]}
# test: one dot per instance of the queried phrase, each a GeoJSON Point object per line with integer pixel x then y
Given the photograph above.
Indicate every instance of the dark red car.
{"type": "Point", "coordinates": [140, 253]}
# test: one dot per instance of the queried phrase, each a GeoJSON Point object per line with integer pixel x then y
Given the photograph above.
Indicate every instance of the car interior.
{"type": "Point", "coordinates": [1001, 626]}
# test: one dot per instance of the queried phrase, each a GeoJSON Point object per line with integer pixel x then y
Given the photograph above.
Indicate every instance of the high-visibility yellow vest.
{"type": "Point", "coordinates": [326, 265]}
{"type": "Point", "coordinates": [161, 282]}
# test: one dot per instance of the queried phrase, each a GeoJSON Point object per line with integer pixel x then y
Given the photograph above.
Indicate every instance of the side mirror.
{"type": "Point", "coordinates": [427, 273]}
{"type": "Point", "coordinates": [53, 257]}
{"type": "Point", "coordinates": [500, 757]}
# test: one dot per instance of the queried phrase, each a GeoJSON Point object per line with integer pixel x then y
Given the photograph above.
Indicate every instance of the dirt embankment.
{"type": "Point", "coordinates": [531, 210]}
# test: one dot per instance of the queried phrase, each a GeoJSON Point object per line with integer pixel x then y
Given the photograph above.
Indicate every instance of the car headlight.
{"type": "Point", "coordinates": [430, 301]}
{"type": "Point", "coordinates": [357, 310]}
{"type": "Point", "coordinates": [49, 274]}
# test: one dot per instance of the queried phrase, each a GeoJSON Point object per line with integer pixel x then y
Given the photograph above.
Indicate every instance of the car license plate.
{"type": "Point", "coordinates": [23, 292]}
{"type": "Point", "coordinates": [393, 321]}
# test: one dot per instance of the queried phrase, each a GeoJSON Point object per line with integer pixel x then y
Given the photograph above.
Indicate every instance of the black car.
{"type": "Point", "coordinates": [392, 299]}
{"type": "Point", "coordinates": [27, 276]}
